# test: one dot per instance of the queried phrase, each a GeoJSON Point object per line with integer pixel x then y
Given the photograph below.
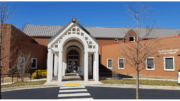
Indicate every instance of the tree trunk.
{"type": "Point", "coordinates": [137, 84]}
{"type": "Point", "coordinates": [22, 78]}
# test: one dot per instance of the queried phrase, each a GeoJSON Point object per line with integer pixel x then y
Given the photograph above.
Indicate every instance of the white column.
{"type": "Point", "coordinates": [86, 66]}
{"type": "Point", "coordinates": [94, 67]}
{"type": "Point", "coordinates": [55, 65]}
{"type": "Point", "coordinates": [64, 66]}
{"type": "Point", "coordinates": [49, 67]}
{"type": "Point", "coordinates": [97, 67]}
{"type": "Point", "coordinates": [60, 67]}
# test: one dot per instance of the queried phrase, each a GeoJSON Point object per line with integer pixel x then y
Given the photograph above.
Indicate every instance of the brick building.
{"type": "Point", "coordinates": [15, 41]}
{"type": "Point", "coordinates": [90, 50]}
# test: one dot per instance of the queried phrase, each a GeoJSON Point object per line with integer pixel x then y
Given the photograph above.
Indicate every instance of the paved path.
{"type": "Point", "coordinates": [88, 92]}
{"type": "Point", "coordinates": [74, 92]}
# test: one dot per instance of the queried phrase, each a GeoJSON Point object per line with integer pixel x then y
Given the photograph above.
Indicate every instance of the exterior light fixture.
{"type": "Point", "coordinates": [73, 19]}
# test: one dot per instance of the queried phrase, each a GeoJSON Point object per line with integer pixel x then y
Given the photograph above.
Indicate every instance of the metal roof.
{"type": "Point", "coordinates": [98, 32]}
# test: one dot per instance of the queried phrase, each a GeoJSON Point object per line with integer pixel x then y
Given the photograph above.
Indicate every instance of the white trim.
{"type": "Point", "coordinates": [118, 63]}
{"type": "Point", "coordinates": [173, 64]}
{"type": "Point", "coordinates": [111, 64]}
{"type": "Point", "coordinates": [32, 62]}
{"type": "Point", "coordinates": [133, 37]}
{"type": "Point", "coordinates": [60, 34]}
{"type": "Point", "coordinates": [153, 61]}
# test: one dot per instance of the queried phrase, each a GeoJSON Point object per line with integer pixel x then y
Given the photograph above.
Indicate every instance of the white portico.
{"type": "Point", "coordinates": [73, 49]}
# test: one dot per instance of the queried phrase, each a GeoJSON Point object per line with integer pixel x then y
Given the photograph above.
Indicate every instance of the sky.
{"type": "Point", "coordinates": [93, 14]}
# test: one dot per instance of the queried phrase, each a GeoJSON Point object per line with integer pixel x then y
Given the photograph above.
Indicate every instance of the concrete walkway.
{"type": "Point", "coordinates": [141, 79]}
{"type": "Point", "coordinates": [26, 80]}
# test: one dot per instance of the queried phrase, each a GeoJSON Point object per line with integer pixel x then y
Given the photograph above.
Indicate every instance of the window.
{"type": "Point", "coordinates": [150, 63]}
{"type": "Point", "coordinates": [121, 63]}
{"type": "Point", "coordinates": [116, 40]}
{"type": "Point", "coordinates": [169, 63]}
{"type": "Point", "coordinates": [109, 63]}
{"type": "Point", "coordinates": [131, 39]}
{"type": "Point", "coordinates": [33, 63]}
{"type": "Point", "coordinates": [21, 63]}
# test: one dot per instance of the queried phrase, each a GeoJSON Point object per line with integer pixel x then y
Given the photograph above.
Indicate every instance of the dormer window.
{"type": "Point", "coordinates": [131, 39]}
{"type": "Point", "coordinates": [116, 40]}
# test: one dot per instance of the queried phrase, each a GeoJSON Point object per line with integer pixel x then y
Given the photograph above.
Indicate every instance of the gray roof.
{"type": "Point", "coordinates": [99, 32]}
{"type": "Point", "coordinates": [75, 22]}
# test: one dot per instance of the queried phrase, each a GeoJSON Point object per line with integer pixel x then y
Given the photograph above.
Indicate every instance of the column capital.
{"type": "Point", "coordinates": [85, 52]}
{"type": "Point", "coordinates": [49, 50]}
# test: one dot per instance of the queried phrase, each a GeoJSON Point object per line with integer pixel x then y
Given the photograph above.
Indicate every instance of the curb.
{"type": "Point", "coordinates": [140, 86]}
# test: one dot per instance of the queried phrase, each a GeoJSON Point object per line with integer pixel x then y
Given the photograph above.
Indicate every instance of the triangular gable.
{"type": "Point", "coordinates": [66, 27]}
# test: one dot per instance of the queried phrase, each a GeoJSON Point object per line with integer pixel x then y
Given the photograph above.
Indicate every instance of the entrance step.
{"type": "Point", "coordinates": [72, 84]}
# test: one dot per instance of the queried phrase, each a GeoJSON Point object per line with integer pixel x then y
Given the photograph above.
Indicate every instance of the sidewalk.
{"type": "Point", "coordinates": [26, 80]}
{"type": "Point", "coordinates": [26, 87]}
{"type": "Point", "coordinates": [141, 79]}
{"type": "Point", "coordinates": [140, 86]}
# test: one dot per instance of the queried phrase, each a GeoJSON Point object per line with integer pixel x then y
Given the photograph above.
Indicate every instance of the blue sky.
{"type": "Point", "coordinates": [95, 14]}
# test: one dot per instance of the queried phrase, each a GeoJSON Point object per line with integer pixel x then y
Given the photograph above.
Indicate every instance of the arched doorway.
{"type": "Point", "coordinates": [85, 44]}
{"type": "Point", "coordinates": [73, 61]}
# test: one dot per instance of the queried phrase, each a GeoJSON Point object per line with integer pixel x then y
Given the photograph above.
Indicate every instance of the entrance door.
{"type": "Point", "coordinates": [73, 57]}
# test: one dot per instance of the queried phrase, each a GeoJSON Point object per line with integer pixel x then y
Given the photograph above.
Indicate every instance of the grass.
{"type": "Point", "coordinates": [141, 82]}
{"type": "Point", "coordinates": [26, 83]}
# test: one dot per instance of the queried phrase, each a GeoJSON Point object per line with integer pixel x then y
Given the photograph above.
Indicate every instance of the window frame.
{"type": "Point", "coordinates": [133, 38]}
{"type": "Point", "coordinates": [32, 62]}
{"type": "Point", "coordinates": [153, 61]}
{"type": "Point", "coordinates": [123, 63]}
{"type": "Point", "coordinates": [18, 67]}
{"type": "Point", "coordinates": [165, 63]}
{"type": "Point", "coordinates": [111, 64]}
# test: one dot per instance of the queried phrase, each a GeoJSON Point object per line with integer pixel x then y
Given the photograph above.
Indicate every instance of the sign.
{"type": "Point", "coordinates": [171, 51]}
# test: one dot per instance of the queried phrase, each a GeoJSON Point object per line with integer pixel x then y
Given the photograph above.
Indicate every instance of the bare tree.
{"type": "Point", "coordinates": [21, 62]}
{"type": "Point", "coordinates": [135, 53]}
{"type": "Point", "coordinates": [5, 13]}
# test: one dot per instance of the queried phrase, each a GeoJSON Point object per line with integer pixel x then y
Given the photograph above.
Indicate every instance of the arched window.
{"type": "Point", "coordinates": [73, 54]}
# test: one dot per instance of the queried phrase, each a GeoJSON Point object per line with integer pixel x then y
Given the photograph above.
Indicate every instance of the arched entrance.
{"type": "Point", "coordinates": [72, 61]}
{"type": "Point", "coordinates": [75, 49]}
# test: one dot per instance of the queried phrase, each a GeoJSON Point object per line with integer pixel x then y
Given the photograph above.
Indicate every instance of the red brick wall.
{"type": "Point", "coordinates": [42, 40]}
{"type": "Point", "coordinates": [5, 49]}
{"type": "Point", "coordinates": [14, 39]}
{"type": "Point", "coordinates": [115, 51]}
{"type": "Point", "coordinates": [26, 43]}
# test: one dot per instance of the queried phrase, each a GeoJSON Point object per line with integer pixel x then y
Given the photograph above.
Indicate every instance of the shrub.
{"type": "Point", "coordinates": [41, 74]}
{"type": "Point", "coordinates": [15, 75]}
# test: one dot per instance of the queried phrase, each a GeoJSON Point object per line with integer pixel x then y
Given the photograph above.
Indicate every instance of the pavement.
{"type": "Point", "coordinates": [77, 79]}
{"type": "Point", "coordinates": [97, 85]}
{"type": "Point", "coordinates": [89, 92]}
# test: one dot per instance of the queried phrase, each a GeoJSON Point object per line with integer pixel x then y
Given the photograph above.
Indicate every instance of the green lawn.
{"type": "Point", "coordinates": [26, 83]}
{"type": "Point", "coordinates": [141, 82]}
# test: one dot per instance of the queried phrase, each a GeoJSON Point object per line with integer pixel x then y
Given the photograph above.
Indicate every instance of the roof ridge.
{"type": "Point", "coordinates": [45, 25]}
{"type": "Point", "coordinates": [103, 27]}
